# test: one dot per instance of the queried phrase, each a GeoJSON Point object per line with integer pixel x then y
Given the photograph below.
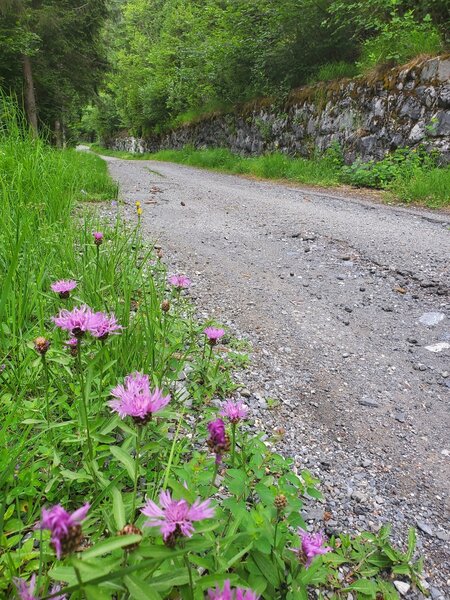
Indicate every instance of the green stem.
{"type": "Point", "coordinates": [189, 568]}
{"type": "Point", "coordinates": [47, 385]}
{"type": "Point", "coordinates": [213, 482]}
{"type": "Point", "coordinates": [85, 418]}
{"type": "Point", "coordinates": [233, 443]}
{"type": "Point", "coordinates": [136, 470]}
{"type": "Point", "coordinates": [80, 581]}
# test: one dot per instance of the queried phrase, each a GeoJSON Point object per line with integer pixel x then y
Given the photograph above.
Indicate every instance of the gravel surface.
{"type": "Point", "coordinates": [346, 304]}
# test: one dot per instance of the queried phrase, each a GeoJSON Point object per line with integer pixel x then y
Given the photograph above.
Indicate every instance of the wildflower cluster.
{"type": "Point", "coordinates": [154, 477]}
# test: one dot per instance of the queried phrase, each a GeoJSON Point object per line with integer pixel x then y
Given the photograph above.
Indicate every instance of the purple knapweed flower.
{"type": "Point", "coordinates": [179, 281]}
{"type": "Point", "coordinates": [98, 237]}
{"type": "Point", "coordinates": [27, 591]}
{"type": "Point", "coordinates": [63, 287]}
{"type": "Point", "coordinates": [175, 517]}
{"type": "Point", "coordinates": [218, 441]}
{"type": "Point", "coordinates": [77, 321]}
{"type": "Point", "coordinates": [213, 334]}
{"type": "Point", "coordinates": [136, 400]}
{"type": "Point", "coordinates": [312, 545]}
{"type": "Point", "coordinates": [234, 411]}
{"type": "Point", "coordinates": [24, 589]}
{"type": "Point", "coordinates": [228, 594]}
{"type": "Point", "coordinates": [65, 528]}
{"type": "Point", "coordinates": [72, 345]}
{"type": "Point", "coordinates": [102, 325]}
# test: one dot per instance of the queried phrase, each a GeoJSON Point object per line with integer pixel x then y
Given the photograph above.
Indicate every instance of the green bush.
{"type": "Point", "coordinates": [400, 40]}
{"type": "Point", "coordinates": [379, 174]}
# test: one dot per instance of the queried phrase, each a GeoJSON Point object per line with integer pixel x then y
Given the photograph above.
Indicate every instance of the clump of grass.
{"type": "Point", "coordinates": [430, 187]}
{"type": "Point", "coordinates": [317, 171]}
{"type": "Point", "coordinates": [334, 70]}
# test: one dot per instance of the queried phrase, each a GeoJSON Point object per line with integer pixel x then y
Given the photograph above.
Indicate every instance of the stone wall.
{"type": "Point", "coordinates": [405, 106]}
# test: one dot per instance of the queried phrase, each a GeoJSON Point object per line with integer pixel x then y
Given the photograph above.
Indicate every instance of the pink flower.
{"type": "Point", "coordinates": [179, 281]}
{"type": "Point", "coordinates": [72, 343]}
{"type": "Point", "coordinates": [213, 334]}
{"type": "Point", "coordinates": [65, 528]}
{"type": "Point", "coordinates": [175, 517]}
{"type": "Point", "coordinates": [312, 545]}
{"type": "Point", "coordinates": [25, 591]}
{"type": "Point", "coordinates": [234, 411]}
{"type": "Point", "coordinates": [102, 325]}
{"type": "Point", "coordinates": [218, 441]}
{"type": "Point", "coordinates": [77, 321]}
{"type": "Point", "coordinates": [98, 237]}
{"type": "Point", "coordinates": [63, 287]}
{"type": "Point", "coordinates": [228, 594]}
{"type": "Point", "coordinates": [136, 400]}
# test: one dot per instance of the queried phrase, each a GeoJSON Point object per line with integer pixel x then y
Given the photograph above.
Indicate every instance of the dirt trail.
{"type": "Point", "coordinates": [331, 290]}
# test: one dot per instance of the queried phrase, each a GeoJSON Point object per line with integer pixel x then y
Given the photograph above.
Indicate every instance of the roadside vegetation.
{"type": "Point", "coordinates": [406, 175]}
{"type": "Point", "coordinates": [129, 465]}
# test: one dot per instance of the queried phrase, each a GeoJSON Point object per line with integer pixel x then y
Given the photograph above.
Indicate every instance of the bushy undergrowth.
{"type": "Point", "coordinates": [129, 467]}
{"type": "Point", "coordinates": [334, 70]}
{"type": "Point", "coordinates": [409, 175]}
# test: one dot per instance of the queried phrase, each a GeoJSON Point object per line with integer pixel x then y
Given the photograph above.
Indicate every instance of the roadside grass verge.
{"type": "Point", "coordinates": [79, 474]}
{"type": "Point", "coordinates": [400, 175]}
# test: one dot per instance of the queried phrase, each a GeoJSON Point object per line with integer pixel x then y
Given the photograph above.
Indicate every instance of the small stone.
{"type": "Point", "coordinates": [424, 527]}
{"type": "Point", "coordinates": [348, 309]}
{"type": "Point", "coordinates": [245, 392]}
{"type": "Point", "coordinates": [443, 536]}
{"type": "Point", "coordinates": [362, 289]}
{"type": "Point", "coordinates": [411, 340]}
{"type": "Point", "coordinates": [431, 318]}
{"type": "Point", "coordinates": [402, 587]}
{"type": "Point", "coordinates": [400, 417]}
{"type": "Point", "coordinates": [346, 258]}
{"type": "Point", "coordinates": [445, 452]}
{"type": "Point", "coordinates": [365, 463]}
{"type": "Point", "coordinates": [368, 402]}
{"type": "Point", "coordinates": [438, 347]}
{"type": "Point", "coordinates": [387, 308]}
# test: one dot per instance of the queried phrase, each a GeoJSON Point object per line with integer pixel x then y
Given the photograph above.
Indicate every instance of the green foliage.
{"type": "Point", "coordinates": [401, 163]}
{"type": "Point", "coordinates": [61, 38]}
{"type": "Point", "coordinates": [334, 70]}
{"type": "Point", "coordinates": [400, 40]}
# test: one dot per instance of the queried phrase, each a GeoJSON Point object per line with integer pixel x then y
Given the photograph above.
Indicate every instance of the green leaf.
{"type": "Point", "coordinates": [126, 460]}
{"type": "Point", "coordinates": [118, 508]}
{"type": "Point", "coordinates": [140, 589]}
{"type": "Point", "coordinates": [106, 546]}
{"type": "Point", "coordinates": [411, 543]}
{"type": "Point", "coordinates": [266, 567]}
{"type": "Point", "coordinates": [365, 586]}
{"type": "Point", "coordinates": [94, 592]}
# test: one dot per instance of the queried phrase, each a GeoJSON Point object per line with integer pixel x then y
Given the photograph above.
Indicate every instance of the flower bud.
{"type": "Point", "coordinates": [159, 253]}
{"type": "Point", "coordinates": [41, 345]}
{"type": "Point", "coordinates": [130, 529]}
{"type": "Point", "coordinates": [280, 502]}
{"type": "Point", "coordinates": [165, 306]}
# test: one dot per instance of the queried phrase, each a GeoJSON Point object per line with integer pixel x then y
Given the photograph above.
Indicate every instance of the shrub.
{"type": "Point", "coordinates": [400, 40]}
{"type": "Point", "coordinates": [401, 163]}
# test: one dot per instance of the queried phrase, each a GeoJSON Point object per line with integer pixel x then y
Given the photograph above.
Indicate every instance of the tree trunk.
{"type": "Point", "coordinates": [30, 98]}
{"type": "Point", "coordinates": [58, 134]}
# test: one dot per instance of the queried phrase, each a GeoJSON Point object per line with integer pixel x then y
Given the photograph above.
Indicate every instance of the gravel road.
{"type": "Point", "coordinates": [346, 303]}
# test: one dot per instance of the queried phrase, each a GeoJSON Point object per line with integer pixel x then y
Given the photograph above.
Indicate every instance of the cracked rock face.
{"type": "Point", "coordinates": [404, 108]}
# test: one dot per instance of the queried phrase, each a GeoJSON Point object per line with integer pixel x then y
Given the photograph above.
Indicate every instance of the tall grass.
{"type": "Point", "coordinates": [38, 189]}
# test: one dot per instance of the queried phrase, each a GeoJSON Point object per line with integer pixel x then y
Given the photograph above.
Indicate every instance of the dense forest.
{"type": "Point", "coordinates": [145, 64]}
